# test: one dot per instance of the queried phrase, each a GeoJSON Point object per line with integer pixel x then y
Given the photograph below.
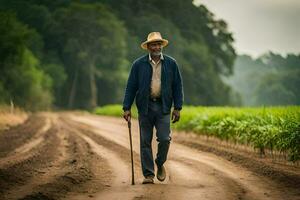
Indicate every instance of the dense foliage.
{"type": "Point", "coordinates": [270, 79]}
{"type": "Point", "coordinates": [114, 110]}
{"type": "Point", "coordinates": [77, 54]}
{"type": "Point", "coordinates": [265, 128]}
{"type": "Point", "coordinates": [22, 79]}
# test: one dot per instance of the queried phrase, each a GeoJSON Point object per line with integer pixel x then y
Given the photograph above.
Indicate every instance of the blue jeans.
{"type": "Point", "coordinates": [161, 122]}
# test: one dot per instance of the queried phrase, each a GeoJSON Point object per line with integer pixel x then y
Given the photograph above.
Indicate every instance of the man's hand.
{"type": "Point", "coordinates": [175, 116]}
{"type": "Point", "coordinates": [127, 115]}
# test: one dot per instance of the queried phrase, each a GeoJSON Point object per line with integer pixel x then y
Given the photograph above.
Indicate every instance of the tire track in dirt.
{"type": "Point", "coordinates": [253, 187]}
{"type": "Point", "coordinates": [121, 171]}
{"type": "Point", "coordinates": [117, 158]}
{"type": "Point", "coordinates": [198, 185]}
{"type": "Point", "coordinates": [23, 152]}
{"type": "Point", "coordinates": [243, 184]}
{"type": "Point", "coordinates": [81, 157]}
{"type": "Point", "coordinates": [62, 164]}
{"type": "Point", "coordinates": [76, 174]}
{"type": "Point", "coordinates": [34, 165]}
{"type": "Point", "coordinates": [12, 139]}
{"type": "Point", "coordinates": [103, 135]}
{"type": "Point", "coordinates": [285, 174]}
{"type": "Point", "coordinates": [110, 130]}
{"type": "Point", "coordinates": [171, 183]}
{"type": "Point", "coordinates": [27, 165]}
{"type": "Point", "coordinates": [138, 191]}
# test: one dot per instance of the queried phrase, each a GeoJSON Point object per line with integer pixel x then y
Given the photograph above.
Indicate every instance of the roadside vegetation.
{"type": "Point", "coordinates": [11, 116]}
{"type": "Point", "coordinates": [274, 130]}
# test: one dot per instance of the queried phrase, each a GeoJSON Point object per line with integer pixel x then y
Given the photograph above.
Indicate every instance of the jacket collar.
{"type": "Point", "coordinates": [145, 58]}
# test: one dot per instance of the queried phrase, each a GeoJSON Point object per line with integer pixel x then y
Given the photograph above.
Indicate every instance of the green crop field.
{"type": "Point", "coordinates": [263, 128]}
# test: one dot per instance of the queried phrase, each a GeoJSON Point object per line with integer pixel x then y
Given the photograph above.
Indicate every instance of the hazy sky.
{"type": "Point", "coordinates": [260, 25]}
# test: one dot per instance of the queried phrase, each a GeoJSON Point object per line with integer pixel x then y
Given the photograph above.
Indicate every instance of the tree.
{"type": "Point", "coordinates": [279, 89]}
{"type": "Point", "coordinates": [85, 48]}
{"type": "Point", "coordinates": [94, 48]}
{"type": "Point", "coordinates": [201, 44]}
{"type": "Point", "coordinates": [37, 16]}
{"type": "Point", "coordinates": [21, 80]}
{"type": "Point", "coordinates": [270, 79]}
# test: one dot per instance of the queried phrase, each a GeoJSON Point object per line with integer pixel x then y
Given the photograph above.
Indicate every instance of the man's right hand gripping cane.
{"type": "Point", "coordinates": [127, 115]}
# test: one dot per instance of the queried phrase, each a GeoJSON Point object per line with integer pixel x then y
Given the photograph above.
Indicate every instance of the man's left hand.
{"type": "Point", "coordinates": [175, 116]}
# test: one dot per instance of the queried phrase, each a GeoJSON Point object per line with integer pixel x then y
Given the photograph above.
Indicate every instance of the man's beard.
{"type": "Point", "coordinates": [156, 53]}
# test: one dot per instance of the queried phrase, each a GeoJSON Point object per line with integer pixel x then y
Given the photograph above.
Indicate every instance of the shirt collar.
{"type": "Point", "coordinates": [161, 57]}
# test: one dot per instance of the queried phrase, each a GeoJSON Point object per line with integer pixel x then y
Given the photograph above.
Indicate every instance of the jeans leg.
{"type": "Point", "coordinates": [146, 134]}
{"type": "Point", "coordinates": [163, 131]}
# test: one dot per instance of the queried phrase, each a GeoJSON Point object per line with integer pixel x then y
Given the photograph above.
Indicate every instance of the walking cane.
{"type": "Point", "coordinates": [130, 139]}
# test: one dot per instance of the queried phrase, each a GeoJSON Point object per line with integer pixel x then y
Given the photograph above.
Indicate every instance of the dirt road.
{"type": "Point", "coordinates": [82, 156]}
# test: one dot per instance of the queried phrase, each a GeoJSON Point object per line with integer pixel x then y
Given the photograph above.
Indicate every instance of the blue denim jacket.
{"type": "Point", "coordinates": [139, 81]}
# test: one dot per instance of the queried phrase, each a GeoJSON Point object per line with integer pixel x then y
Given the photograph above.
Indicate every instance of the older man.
{"type": "Point", "coordinates": [155, 84]}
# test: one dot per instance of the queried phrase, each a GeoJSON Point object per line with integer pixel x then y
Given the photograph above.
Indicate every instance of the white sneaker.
{"type": "Point", "coordinates": [148, 180]}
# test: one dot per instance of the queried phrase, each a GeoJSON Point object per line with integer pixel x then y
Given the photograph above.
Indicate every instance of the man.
{"type": "Point", "coordinates": [155, 84]}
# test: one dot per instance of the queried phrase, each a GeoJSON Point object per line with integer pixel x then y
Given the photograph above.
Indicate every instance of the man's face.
{"type": "Point", "coordinates": [155, 48]}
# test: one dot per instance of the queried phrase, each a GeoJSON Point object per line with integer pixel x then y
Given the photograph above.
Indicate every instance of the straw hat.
{"type": "Point", "coordinates": [154, 37]}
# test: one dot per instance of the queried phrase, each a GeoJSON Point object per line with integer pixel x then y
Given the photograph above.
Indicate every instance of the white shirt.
{"type": "Point", "coordinates": [156, 77]}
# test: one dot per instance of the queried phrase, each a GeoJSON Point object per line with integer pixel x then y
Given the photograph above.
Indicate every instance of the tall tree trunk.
{"type": "Point", "coordinates": [73, 90]}
{"type": "Point", "coordinates": [93, 87]}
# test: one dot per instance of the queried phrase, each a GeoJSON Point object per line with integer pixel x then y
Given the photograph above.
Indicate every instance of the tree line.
{"type": "Point", "coordinates": [270, 79]}
{"type": "Point", "coordinates": [77, 54]}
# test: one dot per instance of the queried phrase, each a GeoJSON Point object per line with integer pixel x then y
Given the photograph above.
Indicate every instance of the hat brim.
{"type": "Point", "coordinates": [164, 43]}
